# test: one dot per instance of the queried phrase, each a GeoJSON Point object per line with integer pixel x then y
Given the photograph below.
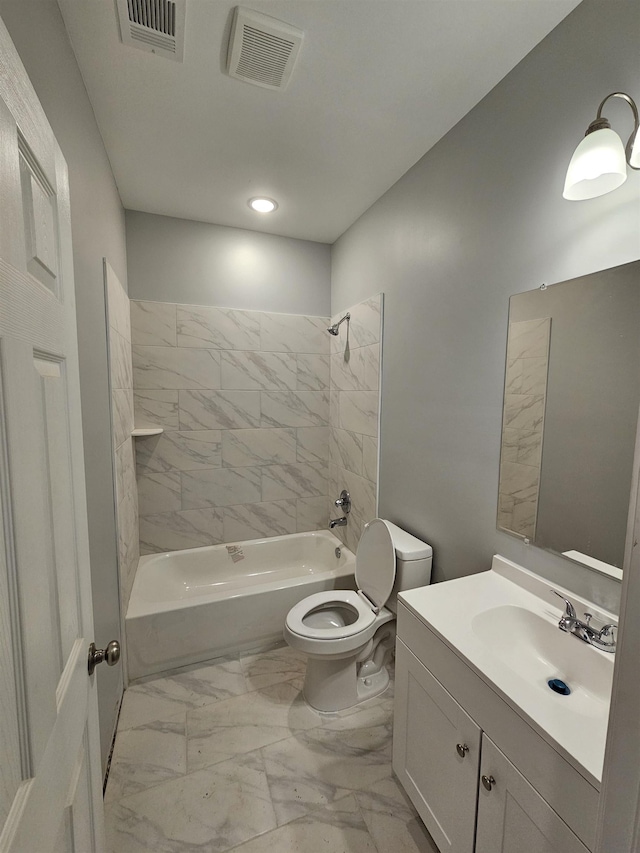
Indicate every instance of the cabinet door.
{"type": "Point", "coordinates": [441, 781]}
{"type": "Point", "coordinates": [512, 816]}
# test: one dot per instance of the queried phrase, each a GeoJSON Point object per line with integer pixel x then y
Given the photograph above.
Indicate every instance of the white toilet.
{"type": "Point", "coordinates": [347, 634]}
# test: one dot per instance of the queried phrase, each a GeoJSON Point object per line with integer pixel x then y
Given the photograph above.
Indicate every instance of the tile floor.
{"type": "Point", "coordinates": [229, 757]}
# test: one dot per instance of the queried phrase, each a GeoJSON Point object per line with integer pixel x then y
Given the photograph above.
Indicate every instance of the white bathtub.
{"type": "Point", "coordinates": [194, 605]}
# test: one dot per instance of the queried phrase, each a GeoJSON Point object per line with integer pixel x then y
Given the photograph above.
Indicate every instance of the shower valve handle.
{"type": "Point", "coordinates": [344, 501]}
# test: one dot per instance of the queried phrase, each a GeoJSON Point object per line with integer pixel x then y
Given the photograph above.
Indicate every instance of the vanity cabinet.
{"type": "Point", "coordinates": [453, 735]}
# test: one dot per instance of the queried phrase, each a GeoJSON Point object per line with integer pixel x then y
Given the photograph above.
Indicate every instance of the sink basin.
{"type": "Point", "coordinates": [535, 648]}
{"type": "Point", "coordinates": [504, 625]}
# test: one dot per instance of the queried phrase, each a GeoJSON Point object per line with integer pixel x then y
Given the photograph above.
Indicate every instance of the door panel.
{"type": "Point", "coordinates": [33, 567]}
{"type": "Point", "coordinates": [10, 748]}
{"type": "Point", "coordinates": [50, 794]}
{"type": "Point", "coordinates": [428, 726]}
{"type": "Point", "coordinates": [513, 817]}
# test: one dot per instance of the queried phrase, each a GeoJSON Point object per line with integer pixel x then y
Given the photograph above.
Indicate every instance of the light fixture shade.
{"type": "Point", "coordinates": [598, 166]}
{"type": "Point", "coordinates": [634, 160]}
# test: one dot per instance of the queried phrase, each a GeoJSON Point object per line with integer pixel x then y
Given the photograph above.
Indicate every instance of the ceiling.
{"type": "Point", "coordinates": [377, 83]}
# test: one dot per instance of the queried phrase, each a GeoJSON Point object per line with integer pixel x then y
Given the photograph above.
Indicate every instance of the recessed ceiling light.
{"type": "Point", "coordinates": [263, 205]}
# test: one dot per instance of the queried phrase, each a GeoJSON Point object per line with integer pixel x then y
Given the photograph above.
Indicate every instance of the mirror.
{"type": "Point", "coordinates": [570, 416]}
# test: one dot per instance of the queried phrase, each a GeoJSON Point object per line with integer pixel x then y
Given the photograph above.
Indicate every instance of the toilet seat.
{"type": "Point", "coordinates": [295, 617]}
{"type": "Point", "coordinates": [375, 575]}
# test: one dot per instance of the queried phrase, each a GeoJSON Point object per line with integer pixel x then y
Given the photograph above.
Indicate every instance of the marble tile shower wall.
{"type": "Point", "coordinates": [121, 381]}
{"type": "Point", "coordinates": [354, 406]}
{"type": "Point", "coordinates": [243, 398]}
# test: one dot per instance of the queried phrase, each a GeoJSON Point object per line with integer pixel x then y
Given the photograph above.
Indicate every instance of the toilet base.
{"type": "Point", "coordinates": [333, 685]}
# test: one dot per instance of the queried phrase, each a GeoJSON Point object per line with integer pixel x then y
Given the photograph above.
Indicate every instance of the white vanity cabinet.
{"type": "Point", "coordinates": [453, 734]}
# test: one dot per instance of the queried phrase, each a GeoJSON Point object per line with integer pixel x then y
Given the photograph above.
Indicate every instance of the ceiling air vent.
{"type": "Point", "coordinates": [156, 26]}
{"type": "Point", "coordinates": [262, 50]}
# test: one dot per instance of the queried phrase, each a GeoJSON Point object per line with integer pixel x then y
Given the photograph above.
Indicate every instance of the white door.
{"type": "Point", "coordinates": [436, 754]}
{"type": "Point", "coordinates": [512, 816]}
{"type": "Point", "coordinates": [50, 788]}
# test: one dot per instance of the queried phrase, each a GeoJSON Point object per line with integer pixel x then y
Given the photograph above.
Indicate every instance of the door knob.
{"type": "Point", "coordinates": [463, 749]}
{"type": "Point", "coordinates": [488, 782]}
{"type": "Point", "coordinates": [111, 655]}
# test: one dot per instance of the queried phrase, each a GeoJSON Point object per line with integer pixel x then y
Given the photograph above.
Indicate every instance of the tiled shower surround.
{"type": "Point", "coordinates": [243, 398]}
{"type": "Point", "coordinates": [355, 392]}
{"type": "Point", "coordinates": [121, 381]}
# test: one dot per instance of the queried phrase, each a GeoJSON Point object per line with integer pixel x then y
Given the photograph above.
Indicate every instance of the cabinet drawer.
{"type": "Point", "coordinates": [512, 816]}
{"type": "Point", "coordinates": [555, 779]}
{"type": "Point", "coordinates": [436, 754]}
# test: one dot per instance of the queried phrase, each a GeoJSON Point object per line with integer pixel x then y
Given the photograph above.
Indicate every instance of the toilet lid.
{"type": "Point", "coordinates": [376, 562]}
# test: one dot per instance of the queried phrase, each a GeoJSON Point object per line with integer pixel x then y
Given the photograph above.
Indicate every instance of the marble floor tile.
{"type": "Point", "coordinates": [374, 712]}
{"type": "Point", "coordinates": [338, 828]}
{"type": "Point", "coordinates": [273, 666]}
{"type": "Point", "coordinates": [146, 755]}
{"type": "Point", "coordinates": [246, 723]}
{"type": "Point", "coordinates": [392, 821]}
{"type": "Point", "coordinates": [210, 811]}
{"type": "Point", "coordinates": [322, 765]}
{"type": "Point", "coordinates": [229, 757]}
{"type": "Point", "coordinates": [153, 700]}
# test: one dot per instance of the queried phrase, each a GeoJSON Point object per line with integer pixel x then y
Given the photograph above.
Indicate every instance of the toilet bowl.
{"type": "Point", "coordinates": [349, 635]}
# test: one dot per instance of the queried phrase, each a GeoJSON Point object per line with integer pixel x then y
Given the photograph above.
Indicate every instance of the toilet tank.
{"type": "Point", "coordinates": [413, 563]}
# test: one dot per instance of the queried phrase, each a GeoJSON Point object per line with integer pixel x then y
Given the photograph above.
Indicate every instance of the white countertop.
{"type": "Point", "coordinates": [503, 624]}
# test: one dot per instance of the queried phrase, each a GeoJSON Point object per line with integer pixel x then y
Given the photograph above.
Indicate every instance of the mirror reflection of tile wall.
{"type": "Point", "coordinates": [523, 424]}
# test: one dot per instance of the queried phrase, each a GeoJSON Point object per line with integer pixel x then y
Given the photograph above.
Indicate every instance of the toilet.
{"type": "Point", "coordinates": [349, 635]}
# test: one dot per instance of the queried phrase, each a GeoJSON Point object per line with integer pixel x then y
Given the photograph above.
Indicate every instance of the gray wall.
{"type": "Point", "coordinates": [593, 394]}
{"type": "Point", "coordinates": [479, 218]}
{"type": "Point", "coordinates": [97, 221]}
{"type": "Point", "coordinates": [178, 260]}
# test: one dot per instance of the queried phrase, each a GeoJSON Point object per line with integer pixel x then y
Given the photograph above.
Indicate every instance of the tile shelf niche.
{"type": "Point", "coordinates": [143, 432]}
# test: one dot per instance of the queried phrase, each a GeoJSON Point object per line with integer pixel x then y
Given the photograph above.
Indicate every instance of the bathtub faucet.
{"type": "Point", "coordinates": [343, 503]}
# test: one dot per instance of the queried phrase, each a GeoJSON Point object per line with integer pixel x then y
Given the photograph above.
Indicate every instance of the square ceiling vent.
{"type": "Point", "coordinates": [262, 50]}
{"type": "Point", "coordinates": [156, 26]}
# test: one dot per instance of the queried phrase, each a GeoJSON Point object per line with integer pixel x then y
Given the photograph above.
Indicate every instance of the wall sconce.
{"type": "Point", "coordinates": [599, 163]}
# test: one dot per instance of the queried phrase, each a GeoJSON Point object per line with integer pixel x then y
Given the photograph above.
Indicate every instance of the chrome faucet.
{"type": "Point", "coordinates": [604, 639]}
{"type": "Point", "coordinates": [344, 502]}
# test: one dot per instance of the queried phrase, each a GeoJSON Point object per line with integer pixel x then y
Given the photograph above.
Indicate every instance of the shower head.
{"type": "Point", "coordinates": [335, 329]}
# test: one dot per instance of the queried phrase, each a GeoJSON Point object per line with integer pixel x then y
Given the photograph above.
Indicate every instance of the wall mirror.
{"type": "Point", "coordinates": [570, 417]}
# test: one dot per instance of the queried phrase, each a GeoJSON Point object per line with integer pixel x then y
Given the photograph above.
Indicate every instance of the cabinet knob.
{"type": "Point", "coordinates": [488, 782]}
{"type": "Point", "coordinates": [463, 749]}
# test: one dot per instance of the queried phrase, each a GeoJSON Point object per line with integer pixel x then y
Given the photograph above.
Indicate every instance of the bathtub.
{"type": "Point", "coordinates": [198, 604]}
